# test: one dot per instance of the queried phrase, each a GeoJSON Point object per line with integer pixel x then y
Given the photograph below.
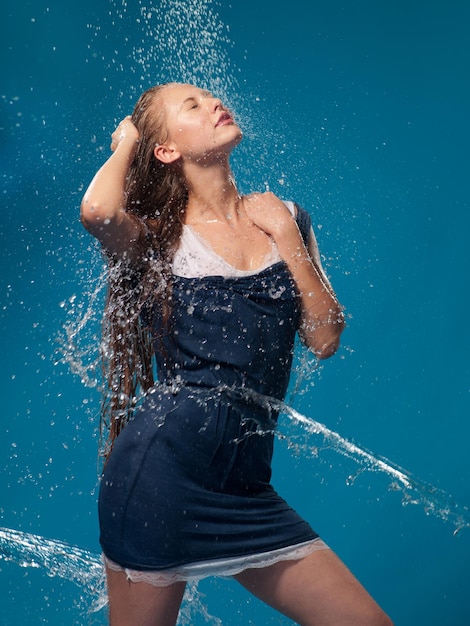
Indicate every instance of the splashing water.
{"type": "Point", "coordinates": [180, 40]}
{"type": "Point", "coordinates": [84, 569]}
{"type": "Point", "coordinates": [434, 501]}
{"type": "Point", "coordinates": [78, 342]}
{"type": "Point", "coordinates": [56, 558]}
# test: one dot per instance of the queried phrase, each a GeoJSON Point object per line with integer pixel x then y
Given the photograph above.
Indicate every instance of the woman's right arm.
{"type": "Point", "coordinates": [102, 210]}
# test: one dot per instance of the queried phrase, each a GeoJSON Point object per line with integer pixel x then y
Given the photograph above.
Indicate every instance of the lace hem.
{"type": "Point", "coordinates": [219, 567]}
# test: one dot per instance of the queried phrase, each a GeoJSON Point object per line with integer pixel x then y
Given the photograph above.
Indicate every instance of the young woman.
{"type": "Point", "coordinates": [214, 286]}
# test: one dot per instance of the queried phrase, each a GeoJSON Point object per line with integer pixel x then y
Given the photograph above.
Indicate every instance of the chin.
{"type": "Point", "coordinates": [238, 137]}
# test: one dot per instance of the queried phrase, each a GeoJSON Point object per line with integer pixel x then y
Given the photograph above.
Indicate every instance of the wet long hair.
{"type": "Point", "coordinates": [156, 194]}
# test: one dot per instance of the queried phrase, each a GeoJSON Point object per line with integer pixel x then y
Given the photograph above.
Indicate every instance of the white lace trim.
{"type": "Point", "coordinates": [195, 258]}
{"type": "Point", "coordinates": [219, 567]}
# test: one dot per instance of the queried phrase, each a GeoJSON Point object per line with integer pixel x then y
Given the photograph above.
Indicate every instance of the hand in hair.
{"type": "Point", "coordinates": [125, 132]}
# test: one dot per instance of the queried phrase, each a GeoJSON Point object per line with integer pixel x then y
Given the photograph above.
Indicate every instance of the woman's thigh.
{"type": "Point", "coordinates": [318, 590]}
{"type": "Point", "coordinates": [141, 604]}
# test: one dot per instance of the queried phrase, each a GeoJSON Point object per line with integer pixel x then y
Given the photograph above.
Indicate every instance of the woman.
{"type": "Point", "coordinates": [214, 285]}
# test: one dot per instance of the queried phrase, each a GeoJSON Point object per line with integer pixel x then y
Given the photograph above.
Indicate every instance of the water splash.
{"type": "Point", "coordinates": [175, 40]}
{"type": "Point", "coordinates": [85, 569]}
{"type": "Point", "coordinates": [434, 501]}
{"type": "Point", "coordinates": [56, 558]}
{"type": "Point", "coordinates": [79, 340]}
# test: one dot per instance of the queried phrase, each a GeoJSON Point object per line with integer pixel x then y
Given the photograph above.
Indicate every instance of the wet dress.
{"type": "Point", "coordinates": [186, 490]}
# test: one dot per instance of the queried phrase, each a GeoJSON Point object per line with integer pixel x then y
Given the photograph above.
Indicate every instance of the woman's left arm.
{"type": "Point", "coordinates": [322, 315]}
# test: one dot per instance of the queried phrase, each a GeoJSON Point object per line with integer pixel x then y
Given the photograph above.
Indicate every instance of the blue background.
{"type": "Point", "coordinates": [358, 111]}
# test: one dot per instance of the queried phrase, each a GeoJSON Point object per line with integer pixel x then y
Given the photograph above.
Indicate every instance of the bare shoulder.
{"type": "Point", "coordinates": [262, 196]}
{"type": "Point", "coordinates": [265, 199]}
{"type": "Point", "coordinates": [270, 214]}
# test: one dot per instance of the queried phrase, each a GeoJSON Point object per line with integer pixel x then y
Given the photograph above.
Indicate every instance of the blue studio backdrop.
{"type": "Point", "coordinates": [357, 111]}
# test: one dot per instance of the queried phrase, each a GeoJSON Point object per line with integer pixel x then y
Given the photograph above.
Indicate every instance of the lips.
{"type": "Point", "coordinates": [225, 118]}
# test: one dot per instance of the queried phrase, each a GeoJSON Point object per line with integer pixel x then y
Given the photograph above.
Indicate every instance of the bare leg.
{"type": "Point", "coordinates": [141, 604]}
{"type": "Point", "coordinates": [318, 590]}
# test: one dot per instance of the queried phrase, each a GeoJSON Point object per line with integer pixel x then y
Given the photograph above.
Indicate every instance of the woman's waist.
{"type": "Point", "coordinates": [205, 409]}
{"type": "Point", "coordinates": [235, 392]}
{"type": "Point", "coordinates": [220, 378]}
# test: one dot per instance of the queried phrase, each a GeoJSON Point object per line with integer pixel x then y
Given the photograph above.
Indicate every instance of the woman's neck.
{"type": "Point", "coordinates": [213, 196]}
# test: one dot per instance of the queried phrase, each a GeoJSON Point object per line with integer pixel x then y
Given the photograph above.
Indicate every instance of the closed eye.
{"type": "Point", "coordinates": [191, 103]}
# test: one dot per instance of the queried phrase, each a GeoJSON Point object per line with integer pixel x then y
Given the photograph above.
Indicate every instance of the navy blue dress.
{"type": "Point", "coordinates": [188, 480]}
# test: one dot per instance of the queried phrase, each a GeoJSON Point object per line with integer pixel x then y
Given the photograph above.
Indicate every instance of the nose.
{"type": "Point", "coordinates": [216, 103]}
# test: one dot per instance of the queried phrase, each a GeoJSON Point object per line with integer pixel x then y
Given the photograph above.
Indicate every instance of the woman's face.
{"type": "Point", "coordinates": [199, 126]}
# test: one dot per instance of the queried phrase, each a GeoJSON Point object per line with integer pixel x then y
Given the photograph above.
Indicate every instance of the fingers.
{"type": "Point", "coordinates": [125, 130]}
